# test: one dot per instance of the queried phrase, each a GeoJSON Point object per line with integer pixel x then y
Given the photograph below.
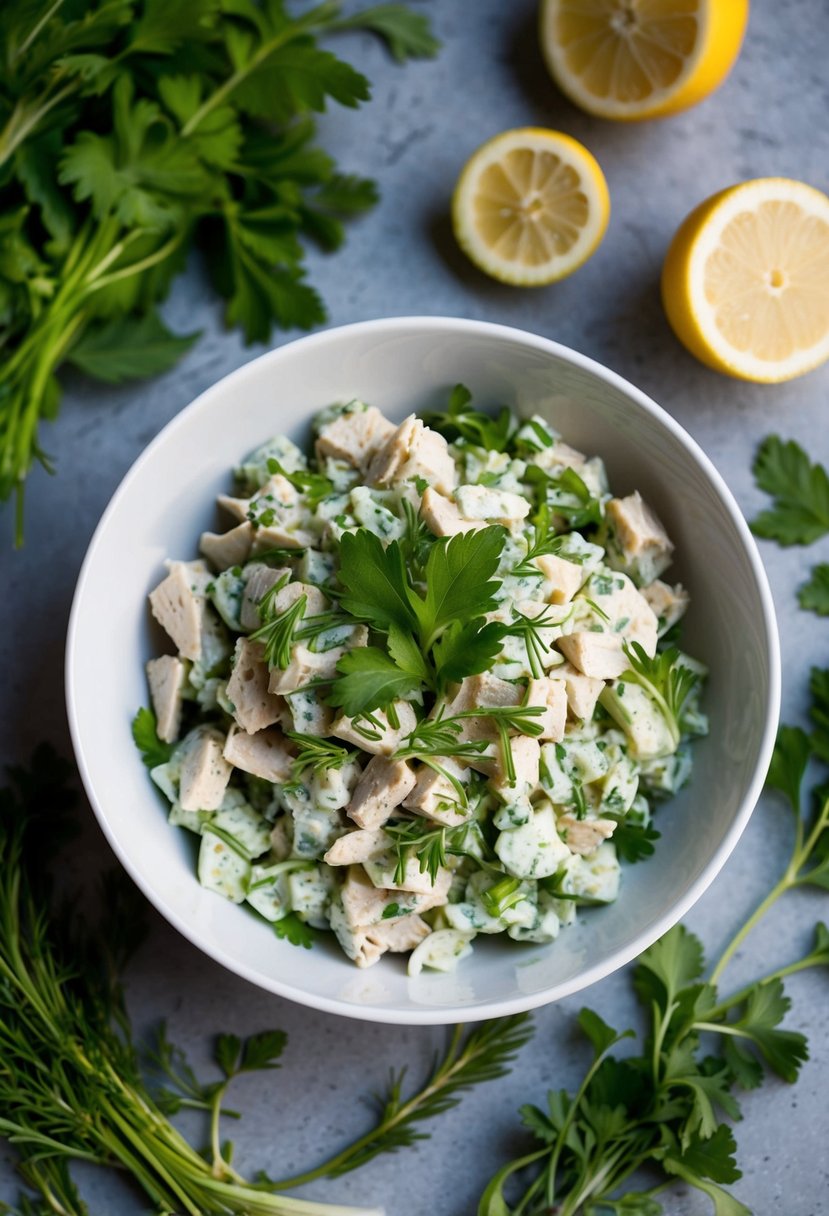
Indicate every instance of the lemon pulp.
{"type": "Point", "coordinates": [632, 59]}
{"type": "Point", "coordinates": [530, 206]}
{"type": "Point", "coordinates": [746, 280]}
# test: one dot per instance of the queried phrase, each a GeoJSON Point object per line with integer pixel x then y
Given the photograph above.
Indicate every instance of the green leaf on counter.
{"type": "Point", "coordinates": [408, 35]}
{"type": "Point", "coordinates": [813, 595]}
{"type": "Point", "coordinates": [800, 489]}
{"type": "Point", "coordinates": [129, 348]}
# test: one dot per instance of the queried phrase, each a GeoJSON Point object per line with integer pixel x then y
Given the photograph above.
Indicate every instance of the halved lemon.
{"type": "Point", "coordinates": [632, 59]}
{"type": "Point", "coordinates": [745, 283]}
{"type": "Point", "coordinates": [530, 206]}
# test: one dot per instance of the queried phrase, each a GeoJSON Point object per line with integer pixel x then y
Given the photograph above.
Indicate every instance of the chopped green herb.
{"type": "Point", "coordinates": [316, 755]}
{"type": "Point", "coordinates": [145, 733]}
{"type": "Point", "coordinates": [291, 929]}
{"type": "Point", "coordinates": [470, 425]}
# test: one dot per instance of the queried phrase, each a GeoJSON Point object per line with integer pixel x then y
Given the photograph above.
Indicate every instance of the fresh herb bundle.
{"type": "Point", "coordinates": [75, 1087]}
{"type": "Point", "coordinates": [132, 131]}
{"type": "Point", "coordinates": [663, 1109]}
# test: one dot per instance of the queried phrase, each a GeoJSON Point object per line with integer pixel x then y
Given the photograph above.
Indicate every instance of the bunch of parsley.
{"type": "Point", "coordinates": [132, 131]}
{"type": "Point", "coordinates": [664, 1107]}
{"type": "Point", "coordinates": [74, 1085]}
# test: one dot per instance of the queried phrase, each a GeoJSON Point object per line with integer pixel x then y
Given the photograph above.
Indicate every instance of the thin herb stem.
{"type": "Point", "coordinates": [298, 28]}
{"type": "Point", "coordinates": [439, 1080]}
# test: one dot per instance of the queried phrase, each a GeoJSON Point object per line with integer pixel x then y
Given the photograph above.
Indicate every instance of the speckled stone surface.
{"type": "Point", "coordinates": [770, 118]}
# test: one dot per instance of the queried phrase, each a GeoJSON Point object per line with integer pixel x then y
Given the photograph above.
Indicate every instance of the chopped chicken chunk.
{"type": "Point", "coordinates": [204, 771]}
{"type": "Point", "coordinates": [414, 450]}
{"type": "Point", "coordinates": [382, 787]}
{"type": "Point", "coordinates": [266, 754]}
{"type": "Point", "coordinates": [179, 606]}
{"type": "Point", "coordinates": [584, 835]}
{"type": "Point", "coordinates": [254, 706]}
{"type": "Point", "coordinates": [381, 740]}
{"type": "Point", "coordinates": [166, 677]}
{"type": "Point", "coordinates": [442, 516]}
{"type": "Point", "coordinates": [552, 694]}
{"type": "Point", "coordinates": [643, 547]}
{"type": "Point", "coordinates": [599, 655]}
{"type": "Point", "coordinates": [354, 436]}
{"type": "Point", "coordinates": [226, 549]}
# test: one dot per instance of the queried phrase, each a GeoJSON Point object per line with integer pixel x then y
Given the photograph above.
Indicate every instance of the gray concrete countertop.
{"type": "Point", "coordinates": [770, 118]}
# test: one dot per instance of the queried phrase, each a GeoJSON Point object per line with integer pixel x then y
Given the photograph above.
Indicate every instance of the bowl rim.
{"type": "Point", "coordinates": [651, 932]}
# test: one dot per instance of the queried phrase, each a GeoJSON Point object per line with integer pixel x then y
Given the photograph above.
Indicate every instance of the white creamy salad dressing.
{"type": "Point", "coordinates": [370, 825]}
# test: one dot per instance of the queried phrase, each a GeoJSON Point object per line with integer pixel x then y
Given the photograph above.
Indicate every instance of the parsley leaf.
{"type": "Point", "coordinates": [457, 577]}
{"type": "Point", "coordinates": [566, 494]}
{"type": "Point", "coordinates": [369, 680]}
{"type": "Point", "coordinates": [407, 34]}
{"type": "Point", "coordinates": [261, 1051]}
{"type": "Point", "coordinates": [800, 490]}
{"type": "Point", "coordinates": [472, 426]}
{"type": "Point", "coordinates": [670, 964]}
{"type": "Point", "coordinates": [467, 650]}
{"type": "Point", "coordinates": [314, 486]}
{"type": "Point", "coordinates": [713, 1157]}
{"type": "Point", "coordinates": [813, 595]}
{"type": "Point", "coordinates": [129, 348]}
{"type": "Point", "coordinates": [634, 841]}
{"type": "Point", "coordinates": [408, 656]}
{"type": "Point", "coordinates": [375, 581]}
{"type": "Point", "coordinates": [290, 928]}
{"type": "Point", "coordinates": [145, 733]}
{"type": "Point", "coordinates": [784, 1050]}
{"type": "Point", "coordinates": [819, 712]}
{"type": "Point", "coordinates": [446, 621]}
{"type": "Point", "coordinates": [790, 757]}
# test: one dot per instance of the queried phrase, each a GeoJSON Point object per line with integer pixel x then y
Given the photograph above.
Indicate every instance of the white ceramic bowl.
{"type": "Point", "coordinates": [400, 365]}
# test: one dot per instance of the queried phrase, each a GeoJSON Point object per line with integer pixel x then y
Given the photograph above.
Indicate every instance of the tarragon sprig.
{"type": "Point", "coordinates": [439, 736]}
{"type": "Point", "coordinates": [276, 633]}
{"type": "Point", "coordinates": [545, 541]}
{"type": "Point", "coordinates": [528, 629]}
{"type": "Point", "coordinates": [429, 842]}
{"type": "Point", "coordinates": [315, 754]}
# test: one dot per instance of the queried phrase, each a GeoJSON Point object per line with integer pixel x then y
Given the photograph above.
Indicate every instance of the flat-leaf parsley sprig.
{"type": "Point", "coordinates": [435, 632]}
{"type": "Point", "coordinates": [800, 513]}
{"type": "Point", "coordinates": [470, 426]}
{"type": "Point", "coordinates": [665, 1107]}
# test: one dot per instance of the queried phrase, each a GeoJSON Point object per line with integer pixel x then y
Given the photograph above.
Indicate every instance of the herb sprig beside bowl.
{"type": "Point", "coordinates": [664, 1108]}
